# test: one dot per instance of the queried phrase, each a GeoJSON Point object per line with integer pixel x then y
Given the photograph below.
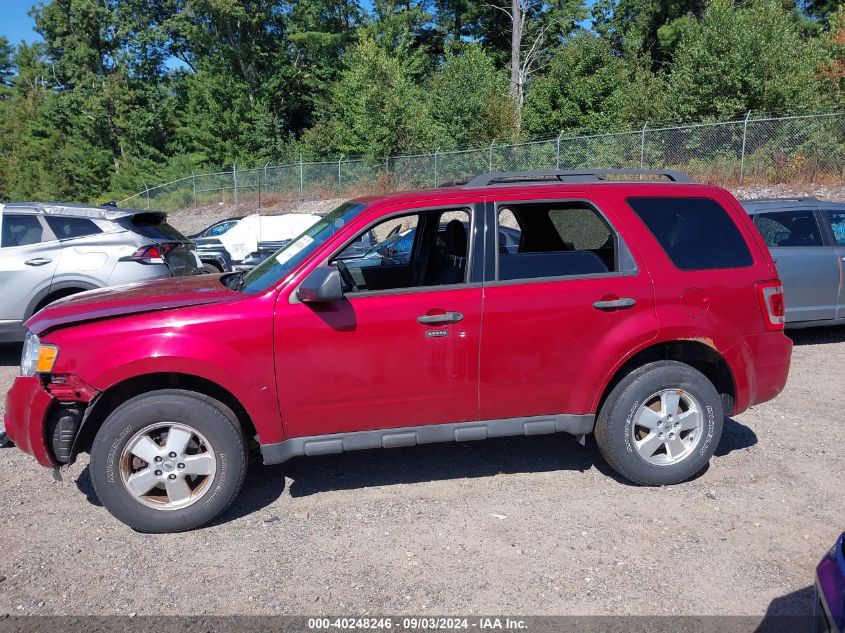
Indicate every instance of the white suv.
{"type": "Point", "coordinates": [50, 251]}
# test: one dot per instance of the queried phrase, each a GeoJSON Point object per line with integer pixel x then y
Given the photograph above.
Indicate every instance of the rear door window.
{"type": "Point", "coordinates": [696, 233]}
{"type": "Point", "coordinates": [557, 239]}
{"type": "Point", "coordinates": [789, 228]}
{"type": "Point", "coordinates": [20, 230]}
{"type": "Point", "coordinates": [67, 228]}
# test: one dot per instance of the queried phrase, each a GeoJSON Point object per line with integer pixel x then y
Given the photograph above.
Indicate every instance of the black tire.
{"type": "Point", "coordinates": [211, 419]}
{"type": "Point", "coordinates": [613, 427]}
{"type": "Point", "coordinates": [211, 268]}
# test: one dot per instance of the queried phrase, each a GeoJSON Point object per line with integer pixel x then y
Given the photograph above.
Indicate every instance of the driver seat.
{"type": "Point", "coordinates": [452, 262]}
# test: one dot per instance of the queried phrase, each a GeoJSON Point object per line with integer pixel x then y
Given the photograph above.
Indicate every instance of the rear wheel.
{"type": "Point", "coordinates": [661, 424]}
{"type": "Point", "coordinates": [168, 461]}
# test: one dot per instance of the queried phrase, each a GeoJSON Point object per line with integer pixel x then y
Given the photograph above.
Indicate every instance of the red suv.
{"type": "Point", "coordinates": [521, 304]}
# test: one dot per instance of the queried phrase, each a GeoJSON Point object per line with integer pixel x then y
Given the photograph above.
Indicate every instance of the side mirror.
{"type": "Point", "coordinates": [322, 285]}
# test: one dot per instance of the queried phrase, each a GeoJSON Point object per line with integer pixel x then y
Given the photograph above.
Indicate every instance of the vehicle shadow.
{"type": "Point", "coordinates": [263, 485]}
{"type": "Point", "coordinates": [425, 463]}
{"type": "Point", "coordinates": [735, 437]}
{"type": "Point", "coordinates": [438, 462]}
{"type": "Point", "coordinates": [792, 613]}
{"type": "Point", "coordinates": [817, 335]}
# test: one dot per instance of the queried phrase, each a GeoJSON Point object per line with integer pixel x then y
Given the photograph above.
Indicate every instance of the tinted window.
{"type": "Point", "coordinates": [837, 224]}
{"type": "Point", "coordinates": [696, 233]}
{"type": "Point", "coordinates": [152, 225]}
{"type": "Point", "coordinates": [789, 228]}
{"type": "Point", "coordinates": [20, 230]}
{"type": "Point", "coordinates": [66, 228]}
{"type": "Point", "coordinates": [558, 240]}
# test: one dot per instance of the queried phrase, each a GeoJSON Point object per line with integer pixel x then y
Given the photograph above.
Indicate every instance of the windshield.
{"type": "Point", "coordinates": [284, 260]}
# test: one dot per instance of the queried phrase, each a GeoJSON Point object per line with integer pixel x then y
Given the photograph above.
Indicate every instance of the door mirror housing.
{"type": "Point", "coordinates": [322, 285]}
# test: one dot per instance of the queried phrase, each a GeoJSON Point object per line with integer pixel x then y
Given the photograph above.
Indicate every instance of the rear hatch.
{"type": "Point", "coordinates": [168, 244]}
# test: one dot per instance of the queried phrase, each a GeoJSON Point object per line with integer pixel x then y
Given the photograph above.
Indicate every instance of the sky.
{"type": "Point", "coordinates": [15, 24]}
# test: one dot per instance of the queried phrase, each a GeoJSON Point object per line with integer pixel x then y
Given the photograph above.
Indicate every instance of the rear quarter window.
{"type": "Point", "coordinates": [696, 233]}
{"type": "Point", "coordinates": [66, 228]}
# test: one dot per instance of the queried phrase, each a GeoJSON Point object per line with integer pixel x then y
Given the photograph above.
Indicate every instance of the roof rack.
{"type": "Point", "coordinates": [559, 175]}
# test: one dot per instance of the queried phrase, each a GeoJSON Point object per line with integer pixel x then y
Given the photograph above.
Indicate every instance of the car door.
{"type": "Point", "coordinates": [402, 352]}
{"type": "Point", "coordinates": [558, 309]}
{"type": "Point", "coordinates": [806, 263]}
{"type": "Point", "coordinates": [28, 258]}
{"type": "Point", "coordinates": [835, 219]}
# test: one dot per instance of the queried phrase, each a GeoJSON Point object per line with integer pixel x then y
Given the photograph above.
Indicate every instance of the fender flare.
{"type": "Point", "coordinates": [62, 285]}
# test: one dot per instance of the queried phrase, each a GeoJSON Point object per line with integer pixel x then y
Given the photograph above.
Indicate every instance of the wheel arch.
{"type": "Point", "coordinates": [696, 353]}
{"type": "Point", "coordinates": [55, 292]}
{"type": "Point", "coordinates": [108, 400]}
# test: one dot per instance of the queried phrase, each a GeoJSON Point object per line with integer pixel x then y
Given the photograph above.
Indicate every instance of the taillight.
{"type": "Point", "coordinates": [770, 295]}
{"type": "Point", "coordinates": [154, 254]}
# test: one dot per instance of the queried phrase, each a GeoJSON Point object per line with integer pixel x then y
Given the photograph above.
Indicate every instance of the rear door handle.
{"type": "Point", "coordinates": [613, 304]}
{"type": "Point", "coordinates": [447, 317]}
{"type": "Point", "coordinates": [38, 261]}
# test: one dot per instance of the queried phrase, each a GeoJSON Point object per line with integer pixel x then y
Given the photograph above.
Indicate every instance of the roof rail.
{"type": "Point", "coordinates": [559, 175]}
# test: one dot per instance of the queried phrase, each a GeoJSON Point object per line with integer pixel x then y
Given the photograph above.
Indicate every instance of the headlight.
{"type": "Point", "coordinates": [37, 356]}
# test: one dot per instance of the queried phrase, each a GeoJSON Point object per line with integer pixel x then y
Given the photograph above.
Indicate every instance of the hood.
{"type": "Point", "coordinates": [163, 294]}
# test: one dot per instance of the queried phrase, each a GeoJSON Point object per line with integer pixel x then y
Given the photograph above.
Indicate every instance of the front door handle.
{"type": "Point", "coordinates": [38, 261]}
{"type": "Point", "coordinates": [446, 317]}
{"type": "Point", "coordinates": [615, 304]}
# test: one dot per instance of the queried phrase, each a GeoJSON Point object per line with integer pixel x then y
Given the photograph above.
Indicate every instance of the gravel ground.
{"type": "Point", "coordinates": [192, 220]}
{"type": "Point", "coordinates": [525, 526]}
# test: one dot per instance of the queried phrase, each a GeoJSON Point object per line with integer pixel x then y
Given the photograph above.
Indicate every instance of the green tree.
{"type": "Point", "coordinates": [375, 108]}
{"type": "Point", "coordinates": [469, 99]}
{"type": "Point", "coordinates": [633, 26]}
{"type": "Point", "coordinates": [752, 58]}
{"type": "Point", "coordinates": [587, 87]}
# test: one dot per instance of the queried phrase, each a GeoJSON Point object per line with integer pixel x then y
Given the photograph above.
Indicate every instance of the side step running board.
{"type": "Point", "coordinates": [575, 424]}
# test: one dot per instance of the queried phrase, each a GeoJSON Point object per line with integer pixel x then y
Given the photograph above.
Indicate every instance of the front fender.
{"type": "Point", "coordinates": [235, 353]}
{"type": "Point", "coordinates": [194, 356]}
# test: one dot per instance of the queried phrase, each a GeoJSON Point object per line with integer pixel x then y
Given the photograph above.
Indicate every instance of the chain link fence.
{"type": "Point", "coordinates": [807, 148]}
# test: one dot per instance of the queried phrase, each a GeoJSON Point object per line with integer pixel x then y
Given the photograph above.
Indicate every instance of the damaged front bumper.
{"type": "Point", "coordinates": [44, 414]}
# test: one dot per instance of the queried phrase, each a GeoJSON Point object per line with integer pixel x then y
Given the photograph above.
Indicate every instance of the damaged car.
{"type": "Point", "coordinates": [637, 306]}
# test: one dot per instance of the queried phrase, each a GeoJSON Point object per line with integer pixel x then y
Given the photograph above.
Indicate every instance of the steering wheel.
{"type": "Point", "coordinates": [346, 276]}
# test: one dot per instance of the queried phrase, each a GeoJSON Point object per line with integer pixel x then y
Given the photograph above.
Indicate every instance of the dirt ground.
{"type": "Point", "coordinates": [523, 526]}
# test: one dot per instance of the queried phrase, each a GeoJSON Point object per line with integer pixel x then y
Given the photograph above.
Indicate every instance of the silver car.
{"type": "Point", "coordinates": [807, 240]}
{"type": "Point", "coordinates": [50, 251]}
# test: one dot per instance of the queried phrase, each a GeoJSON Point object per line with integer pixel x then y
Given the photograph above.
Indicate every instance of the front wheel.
{"type": "Point", "coordinates": [661, 424]}
{"type": "Point", "coordinates": [168, 461]}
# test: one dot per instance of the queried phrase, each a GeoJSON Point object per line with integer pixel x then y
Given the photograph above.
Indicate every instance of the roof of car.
{"type": "Point", "coordinates": [74, 210]}
{"type": "Point", "coordinates": [639, 187]}
{"type": "Point", "coordinates": [761, 205]}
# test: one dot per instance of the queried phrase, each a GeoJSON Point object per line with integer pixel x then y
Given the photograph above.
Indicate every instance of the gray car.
{"type": "Point", "coordinates": [807, 240]}
{"type": "Point", "coordinates": [50, 251]}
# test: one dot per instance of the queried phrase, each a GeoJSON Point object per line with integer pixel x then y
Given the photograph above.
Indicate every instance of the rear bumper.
{"type": "Point", "coordinates": [760, 364]}
{"type": "Point", "coordinates": [27, 406]}
{"type": "Point", "coordinates": [127, 272]}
